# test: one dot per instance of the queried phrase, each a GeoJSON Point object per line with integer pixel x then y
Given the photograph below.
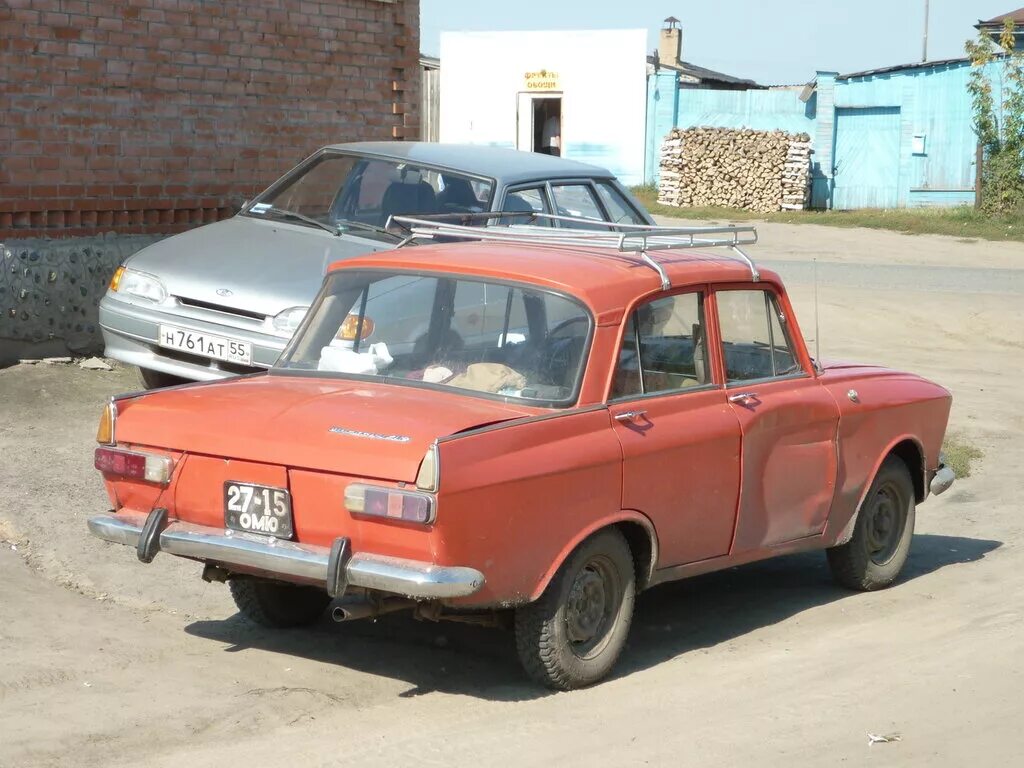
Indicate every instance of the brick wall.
{"type": "Point", "coordinates": [146, 116]}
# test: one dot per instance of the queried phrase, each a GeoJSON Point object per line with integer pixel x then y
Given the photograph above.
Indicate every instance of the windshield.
{"type": "Point", "coordinates": [348, 191]}
{"type": "Point", "coordinates": [492, 339]}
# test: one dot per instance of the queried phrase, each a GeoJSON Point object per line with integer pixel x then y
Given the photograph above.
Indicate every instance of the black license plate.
{"type": "Point", "coordinates": [258, 509]}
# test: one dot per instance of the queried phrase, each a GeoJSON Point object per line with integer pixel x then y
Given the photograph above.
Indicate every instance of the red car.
{"type": "Point", "coordinates": [535, 428]}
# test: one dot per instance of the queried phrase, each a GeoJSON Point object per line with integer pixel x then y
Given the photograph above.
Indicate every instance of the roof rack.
{"type": "Point", "coordinates": [536, 228]}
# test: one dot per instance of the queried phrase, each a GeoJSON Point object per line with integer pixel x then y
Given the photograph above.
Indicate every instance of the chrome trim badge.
{"type": "Point", "coordinates": [225, 292]}
{"type": "Point", "coordinates": [370, 435]}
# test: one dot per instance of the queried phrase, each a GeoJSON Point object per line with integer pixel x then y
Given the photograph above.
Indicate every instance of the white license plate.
{"type": "Point", "coordinates": [206, 344]}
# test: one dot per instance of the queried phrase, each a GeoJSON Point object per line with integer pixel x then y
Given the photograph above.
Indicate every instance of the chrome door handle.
{"type": "Point", "coordinates": [629, 415]}
{"type": "Point", "coordinates": [742, 397]}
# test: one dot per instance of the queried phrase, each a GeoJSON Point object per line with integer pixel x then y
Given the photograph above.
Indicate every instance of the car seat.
{"type": "Point", "coordinates": [407, 199]}
{"type": "Point", "coordinates": [700, 372]}
{"type": "Point", "coordinates": [515, 204]}
{"type": "Point", "coordinates": [457, 197]}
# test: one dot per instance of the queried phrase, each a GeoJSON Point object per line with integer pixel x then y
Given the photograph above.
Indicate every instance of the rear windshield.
{"type": "Point", "coordinates": [492, 339]}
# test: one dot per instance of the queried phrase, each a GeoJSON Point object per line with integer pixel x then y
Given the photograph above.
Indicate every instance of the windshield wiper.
{"type": "Point", "coordinates": [283, 213]}
{"type": "Point", "coordinates": [346, 223]}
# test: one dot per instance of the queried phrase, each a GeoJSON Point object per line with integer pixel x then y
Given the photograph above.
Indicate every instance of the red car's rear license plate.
{"type": "Point", "coordinates": [258, 509]}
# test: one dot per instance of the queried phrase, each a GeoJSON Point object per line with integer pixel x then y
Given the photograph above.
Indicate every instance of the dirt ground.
{"type": "Point", "coordinates": [106, 662]}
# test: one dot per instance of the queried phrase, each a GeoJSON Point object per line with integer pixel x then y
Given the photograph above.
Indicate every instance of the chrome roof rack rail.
{"type": "Point", "coordinates": [535, 228]}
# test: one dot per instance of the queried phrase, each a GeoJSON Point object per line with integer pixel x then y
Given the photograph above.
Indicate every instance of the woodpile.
{"type": "Point", "coordinates": [735, 168]}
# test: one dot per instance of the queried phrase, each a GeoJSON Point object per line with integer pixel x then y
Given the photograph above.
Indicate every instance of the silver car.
{"type": "Point", "coordinates": [224, 299]}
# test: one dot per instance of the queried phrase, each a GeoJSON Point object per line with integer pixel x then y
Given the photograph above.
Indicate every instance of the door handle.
{"type": "Point", "coordinates": [629, 415]}
{"type": "Point", "coordinates": [742, 397]}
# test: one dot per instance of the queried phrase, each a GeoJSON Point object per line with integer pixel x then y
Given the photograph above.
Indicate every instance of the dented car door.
{"type": "Point", "coordinates": [787, 419]}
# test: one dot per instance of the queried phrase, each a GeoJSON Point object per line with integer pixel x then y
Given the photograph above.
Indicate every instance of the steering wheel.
{"type": "Point", "coordinates": [556, 332]}
{"type": "Point", "coordinates": [558, 352]}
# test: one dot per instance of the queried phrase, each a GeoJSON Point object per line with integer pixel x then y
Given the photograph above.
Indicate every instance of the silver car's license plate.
{"type": "Point", "coordinates": [205, 344]}
{"type": "Point", "coordinates": [258, 509]}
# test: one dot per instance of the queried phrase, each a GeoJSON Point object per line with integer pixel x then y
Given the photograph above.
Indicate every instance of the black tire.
{"type": "Point", "coordinates": [158, 380]}
{"type": "Point", "coordinates": [875, 554]}
{"type": "Point", "coordinates": [276, 604]}
{"type": "Point", "coordinates": [573, 635]}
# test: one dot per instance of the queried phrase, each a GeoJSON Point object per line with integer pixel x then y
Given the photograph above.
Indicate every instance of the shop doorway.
{"type": "Point", "coordinates": [539, 123]}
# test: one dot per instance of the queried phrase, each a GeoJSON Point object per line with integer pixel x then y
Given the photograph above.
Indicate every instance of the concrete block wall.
{"type": "Point", "coordinates": [49, 291]}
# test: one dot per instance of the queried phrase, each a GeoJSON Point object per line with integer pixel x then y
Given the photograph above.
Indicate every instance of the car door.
{"type": "Point", "coordinates": [680, 438]}
{"type": "Point", "coordinates": [787, 419]}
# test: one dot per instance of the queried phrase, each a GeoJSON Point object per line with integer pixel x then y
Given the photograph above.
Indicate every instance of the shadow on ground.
{"type": "Point", "coordinates": [670, 620]}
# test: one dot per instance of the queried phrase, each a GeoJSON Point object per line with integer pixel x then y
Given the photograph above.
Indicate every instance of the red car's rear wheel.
{"type": "Point", "coordinates": [572, 636]}
{"type": "Point", "coordinates": [276, 604]}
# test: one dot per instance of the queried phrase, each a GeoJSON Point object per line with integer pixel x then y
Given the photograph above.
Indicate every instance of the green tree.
{"type": "Point", "coordinates": [999, 126]}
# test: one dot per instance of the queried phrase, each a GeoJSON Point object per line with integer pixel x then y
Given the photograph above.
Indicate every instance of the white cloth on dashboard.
{"type": "Point", "coordinates": [343, 359]}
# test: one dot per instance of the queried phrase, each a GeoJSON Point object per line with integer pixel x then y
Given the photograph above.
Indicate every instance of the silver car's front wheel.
{"type": "Point", "coordinates": [157, 379]}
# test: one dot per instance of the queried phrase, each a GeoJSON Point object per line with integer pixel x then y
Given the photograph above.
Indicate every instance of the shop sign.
{"type": "Point", "coordinates": [542, 80]}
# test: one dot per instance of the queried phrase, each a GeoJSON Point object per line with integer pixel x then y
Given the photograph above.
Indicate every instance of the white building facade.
{"type": "Point", "coordinates": [503, 89]}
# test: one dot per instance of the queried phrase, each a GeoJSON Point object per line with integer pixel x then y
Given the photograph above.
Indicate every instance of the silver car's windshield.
{"type": "Point", "coordinates": [360, 193]}
{"type": "Point", "coordinates": [489, 338]}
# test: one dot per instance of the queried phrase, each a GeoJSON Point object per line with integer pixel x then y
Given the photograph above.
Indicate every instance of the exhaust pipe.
{"type": "Point", "coordinates": [365, 609]}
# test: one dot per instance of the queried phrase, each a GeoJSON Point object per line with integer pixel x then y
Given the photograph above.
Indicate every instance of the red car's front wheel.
{"type": "Point", "coordinates": [875, 554]}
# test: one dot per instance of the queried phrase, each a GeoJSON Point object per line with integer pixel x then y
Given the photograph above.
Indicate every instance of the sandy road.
{"type": "Point", "coordinates": [108, 662]}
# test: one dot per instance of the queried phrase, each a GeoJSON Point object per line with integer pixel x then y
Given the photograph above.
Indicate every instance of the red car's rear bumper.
{"type": "Point", "coordinates": [293, 561]}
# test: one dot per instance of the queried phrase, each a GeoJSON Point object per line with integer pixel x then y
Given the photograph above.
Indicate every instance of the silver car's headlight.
{"type": "Point", "coordinates": [285, 323]}
{"type": "Point", "coordinates": [140, 285]}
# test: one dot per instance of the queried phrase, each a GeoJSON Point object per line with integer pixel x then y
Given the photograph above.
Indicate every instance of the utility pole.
{"type": "Point", "coordinates": [924, 52]}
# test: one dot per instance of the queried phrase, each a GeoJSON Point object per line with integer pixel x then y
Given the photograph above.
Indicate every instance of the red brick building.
{"type": "Point", "coordinates": [152, 116]}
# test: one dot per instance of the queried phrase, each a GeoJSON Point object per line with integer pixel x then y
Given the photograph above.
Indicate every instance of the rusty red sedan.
{"type": "Point", "coordinates": [530, 425]}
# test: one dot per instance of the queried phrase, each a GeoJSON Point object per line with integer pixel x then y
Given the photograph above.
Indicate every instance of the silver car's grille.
{"type": "Point", "coordinates": [220, 308]}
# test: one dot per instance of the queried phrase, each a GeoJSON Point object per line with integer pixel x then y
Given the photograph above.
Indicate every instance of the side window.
{"type": "Point", "coordinates": [663, 349]}
{"type": "Point", "coordinates": [577, 200]}
{"type": "Point", "coordinates": [619, 209]}
{"type": "Point", "coordinates": [755, 345]}
{"type": "Point", "coordinates": [526, 200]}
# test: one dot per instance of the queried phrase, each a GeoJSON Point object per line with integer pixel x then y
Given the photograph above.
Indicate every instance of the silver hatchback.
{"type": "Point", "coordinates": [224, 299]}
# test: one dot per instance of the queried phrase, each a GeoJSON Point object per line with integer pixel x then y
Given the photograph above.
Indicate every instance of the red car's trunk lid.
{"type": "Point", "coordinates": [357, 428]}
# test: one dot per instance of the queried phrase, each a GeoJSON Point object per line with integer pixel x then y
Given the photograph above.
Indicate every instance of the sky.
{"type": "Point", "coordinates": [770, 41]}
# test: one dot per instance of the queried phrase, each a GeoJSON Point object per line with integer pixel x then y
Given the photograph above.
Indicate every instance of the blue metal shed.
{"type": "Point", "coordinates": [895, 137]}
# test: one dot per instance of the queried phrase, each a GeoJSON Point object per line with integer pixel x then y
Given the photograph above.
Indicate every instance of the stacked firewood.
{"type": "Point", "coordinates": [735, 168]}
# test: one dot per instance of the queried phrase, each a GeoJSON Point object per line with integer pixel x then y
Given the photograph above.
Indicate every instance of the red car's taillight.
{"type": "Point", "coordinates": [390, 503]}
{"type": "Point", "coordinates": [139, 466]}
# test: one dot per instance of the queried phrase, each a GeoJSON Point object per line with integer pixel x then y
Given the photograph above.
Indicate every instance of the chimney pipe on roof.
{"type": "Point", "coordinates": [670, 43]}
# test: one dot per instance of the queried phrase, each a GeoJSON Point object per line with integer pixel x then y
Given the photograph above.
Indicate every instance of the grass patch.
{"type": "Point", "coordinates": [960, 453]}
{"type": "Point", "coordinates": [963, 222]}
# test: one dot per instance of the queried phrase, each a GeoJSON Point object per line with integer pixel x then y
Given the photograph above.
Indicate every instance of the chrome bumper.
{"type": "Point", "coordinates": [943, 477]}
{"type": "Point", "coordinates": [292, 560]}
{"type": "Point", "coordinates": [130, 336]}
{"type": "Point", "coordinates": [941, 480]}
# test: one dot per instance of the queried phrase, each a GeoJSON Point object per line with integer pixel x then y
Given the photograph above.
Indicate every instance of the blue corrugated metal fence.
{"type": "Point", "coordinates": [890, 138]}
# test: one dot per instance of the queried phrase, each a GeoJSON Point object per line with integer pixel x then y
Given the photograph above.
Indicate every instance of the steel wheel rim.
{"type": "Point", "coordinates": [592, 604]}
{"type": "Point", "coordinates": [885, 523]}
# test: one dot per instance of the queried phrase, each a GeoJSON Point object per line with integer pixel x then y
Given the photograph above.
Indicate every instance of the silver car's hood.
{"type": "Point", "coordinates": [258, 266]}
